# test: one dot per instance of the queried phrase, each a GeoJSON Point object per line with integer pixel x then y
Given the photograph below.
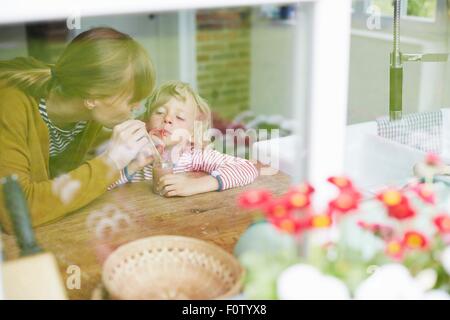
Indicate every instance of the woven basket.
{"type": "Point", "coordinates": [171, 267]}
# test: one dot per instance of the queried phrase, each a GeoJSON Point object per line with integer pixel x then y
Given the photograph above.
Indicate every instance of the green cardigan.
{"type": "Point", "coordinates": [24, 151]}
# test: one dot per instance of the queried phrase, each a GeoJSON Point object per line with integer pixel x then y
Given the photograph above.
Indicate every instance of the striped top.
{"type": "Point", "coordinates": [233, 172]}
{"type": "Point", "coordinates": [59, 138]}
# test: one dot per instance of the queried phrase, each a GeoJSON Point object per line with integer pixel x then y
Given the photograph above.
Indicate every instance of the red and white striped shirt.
{"type": "Point", "coordinates": [233, 171]}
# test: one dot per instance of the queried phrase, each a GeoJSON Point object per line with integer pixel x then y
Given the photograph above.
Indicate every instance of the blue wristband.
{"type": "Point", "coordinates": [216, 175]}
{"type": "Point", "coordinates": [125, 172]}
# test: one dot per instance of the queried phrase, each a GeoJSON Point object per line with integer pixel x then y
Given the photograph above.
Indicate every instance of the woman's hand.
{"type": "Point", "coordinates": [127, 140]}
{"type": "Point", "coordinates": [182, 185]}
{"type": "Point", "coordinates": [145, 156]}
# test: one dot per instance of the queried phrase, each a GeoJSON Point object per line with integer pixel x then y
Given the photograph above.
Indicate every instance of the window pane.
{"type": "Point", "coordinates": [422, 8]}
{"type": "Point", "coordinates": [385, 6]}
{"type": "Point", "coordinates": [414, 8]}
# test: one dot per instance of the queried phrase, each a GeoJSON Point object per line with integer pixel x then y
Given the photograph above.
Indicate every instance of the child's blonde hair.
{"type": "Point", "coordinates": [182, 91]}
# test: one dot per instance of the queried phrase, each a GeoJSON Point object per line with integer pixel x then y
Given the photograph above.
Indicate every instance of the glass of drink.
{"type": "Point", "coordinates": [160, 169]}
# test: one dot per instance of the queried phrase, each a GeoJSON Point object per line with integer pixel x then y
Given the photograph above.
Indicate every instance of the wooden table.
{"type": "Point", "coordinates": [210, 216]}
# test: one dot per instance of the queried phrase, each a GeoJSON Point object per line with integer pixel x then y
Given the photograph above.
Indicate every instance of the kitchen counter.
{"type": "Point", "coordinates": [132, 211]}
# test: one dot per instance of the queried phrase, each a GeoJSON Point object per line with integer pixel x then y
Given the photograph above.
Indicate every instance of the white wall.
{"type": "Point", "coordinates": [271, 66]}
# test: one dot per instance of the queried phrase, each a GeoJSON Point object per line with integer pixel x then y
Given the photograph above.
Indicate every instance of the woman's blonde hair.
{"type": "Point", "coordinates": [98, 63]}
{"type": "Point", "coordinates": [183, 91]}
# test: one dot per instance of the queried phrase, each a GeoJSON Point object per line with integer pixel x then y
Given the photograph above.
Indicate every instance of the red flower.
{"type": "Point", "coordinates": [320, 221]}
{"type": "Point", "coordinates": [395, 249]}
{"type": "Point", "coordinates": [277, 208]}
{"type": "Point", "coordinates": [425, 192]}
{"type": "Point", "coordinates": [414, 240]}
{"type": "Point", "coordinates": [442, 223]}
{"type": "Point", "coordinates": [281, 214]}
{"type": "Point", "coordinates": [346, 201]}
{"type": "Point", "coordinates": [304, 188]}
{"type": "Point", "coordinates": [432, 159]}
{"type": "Point", "coordinates": [397, 204]}
{"type": "Point", "coordinates": [401, 211]}
{"type": "Point", "coordinates": [254, 199]}
{"type": "Point", "coordinates": [297, 200]}
{"type": "Point", "coordinates": [390, 197]}
{"type": "Point", "coordinates": [286, 224]}
{"type": "Point", "coordinates": [278, 214]}
{"type": "Point", "coordinates": [340, 182]}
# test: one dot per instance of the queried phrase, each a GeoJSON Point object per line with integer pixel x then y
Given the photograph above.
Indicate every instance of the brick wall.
{"type": "Point", "coordinates": [223, 59]}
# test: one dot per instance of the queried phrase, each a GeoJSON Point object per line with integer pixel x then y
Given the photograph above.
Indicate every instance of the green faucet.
{"type": "Point", "coordinates": [396, 66]}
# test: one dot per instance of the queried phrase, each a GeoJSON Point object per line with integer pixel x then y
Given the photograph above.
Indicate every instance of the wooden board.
{"type": "Point", "coordinates": [33, 277]}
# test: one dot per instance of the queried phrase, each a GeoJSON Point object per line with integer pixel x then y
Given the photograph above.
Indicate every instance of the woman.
{"type": "Point", "coordinates": [51, 115]}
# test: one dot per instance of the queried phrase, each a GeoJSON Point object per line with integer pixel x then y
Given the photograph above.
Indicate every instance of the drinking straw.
{"type": "Point", "coordinates": [155, 151]}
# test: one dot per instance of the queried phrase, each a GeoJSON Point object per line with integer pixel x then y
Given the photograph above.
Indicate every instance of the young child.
{"type": "Point", "coordinates": [177, 119]}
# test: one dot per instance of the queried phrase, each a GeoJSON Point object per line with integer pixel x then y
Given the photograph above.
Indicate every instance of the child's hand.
{"type": "Point", "coordinates": [177, 185]}
{"type": "Point", "coordinates": [182, 185]}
